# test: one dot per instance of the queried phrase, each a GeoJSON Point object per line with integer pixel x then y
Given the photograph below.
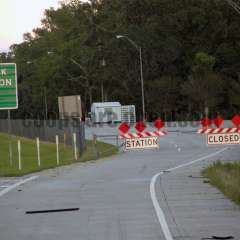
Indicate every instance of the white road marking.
{"type": "Point", "coordinates": [159, 212]}
{"type": "Point", "coordinates": [3, 192]}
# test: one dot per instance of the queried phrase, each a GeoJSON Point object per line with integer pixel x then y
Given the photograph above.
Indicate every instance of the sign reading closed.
{"type": "Point", "coordinates": [141, 143]}
{"type": "Point", "coordinates": [224, 138]}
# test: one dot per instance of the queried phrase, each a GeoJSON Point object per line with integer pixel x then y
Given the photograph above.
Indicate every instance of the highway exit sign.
{"type": "Point", "coordinates": [8, 86]}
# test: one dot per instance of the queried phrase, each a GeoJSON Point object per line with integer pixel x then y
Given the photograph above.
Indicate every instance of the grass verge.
{"type": "Point", "coordinates": [226, 177]}
{"type": "Point", "coordinates": [47, 153]}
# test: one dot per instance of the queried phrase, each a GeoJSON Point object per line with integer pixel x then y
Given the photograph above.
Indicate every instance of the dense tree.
{"type": "Point", "coordinates": [191, 55]}
{"type": "Point", "coordinates": [204, 88]}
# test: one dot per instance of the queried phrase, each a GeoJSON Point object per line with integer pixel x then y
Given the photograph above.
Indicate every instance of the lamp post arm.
{"type": "Point", "coordinates": [235, 4]}
{"type": "Point", "coordinates": [130, 40]}
{"type": "Point", "coordinates": [79, 65]}
{"type": "Point", "coordinates": [133, 43]}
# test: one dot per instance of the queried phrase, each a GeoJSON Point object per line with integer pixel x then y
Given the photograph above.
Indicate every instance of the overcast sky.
{"type": "Point", "coordinates": [20, 16]}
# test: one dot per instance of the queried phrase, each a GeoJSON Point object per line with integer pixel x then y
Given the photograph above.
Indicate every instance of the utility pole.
{"type": "Point", "coordinates": [103, 65]}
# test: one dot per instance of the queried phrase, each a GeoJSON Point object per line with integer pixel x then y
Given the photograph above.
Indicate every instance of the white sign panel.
{"type": "Point", "coordinates": [223, 138]}
{"type": "Point", "coordinates": [141, 143]}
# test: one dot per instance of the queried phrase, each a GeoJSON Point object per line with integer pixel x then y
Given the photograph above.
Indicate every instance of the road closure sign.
{"type": "Point", "coordinates": [8, 86]}
{"type": "Point", "coordinates": [223, 138]}
{"type": "Point", "coordinates": [141, 143]}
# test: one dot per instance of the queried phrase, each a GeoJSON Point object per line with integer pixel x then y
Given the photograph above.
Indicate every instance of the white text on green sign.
{"type": "Point", "coordinates": [8, 86]}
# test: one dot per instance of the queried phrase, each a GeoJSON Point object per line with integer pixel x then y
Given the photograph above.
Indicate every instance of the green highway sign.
{"type": "Point", "coordinates": [8, 86]}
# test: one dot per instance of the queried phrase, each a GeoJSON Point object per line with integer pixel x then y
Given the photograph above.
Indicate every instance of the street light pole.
{"type": "Point", "coordinates": [142, 84]}
{"type": "Point", "coordinates": [139, 49]}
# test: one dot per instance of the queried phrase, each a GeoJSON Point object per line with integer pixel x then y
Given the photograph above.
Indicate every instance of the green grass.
{"type": "Point", "coordinates": [226, 177]}
{"type": "Point", "coordinates": [48, 155]}
{"type": "Point", "coordinates": [101, 150]}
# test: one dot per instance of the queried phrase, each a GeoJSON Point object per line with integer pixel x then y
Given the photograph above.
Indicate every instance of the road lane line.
{"type": "Point", "coordinates": [159, 212]}
{"type": "Point", "coordinates": [3, 192]}
{"type": "Point", "coordinates": [198, 160]}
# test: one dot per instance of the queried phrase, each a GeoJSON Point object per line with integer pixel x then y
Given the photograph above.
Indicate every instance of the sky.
{"type": "Point", "coordinates": [20, 16]}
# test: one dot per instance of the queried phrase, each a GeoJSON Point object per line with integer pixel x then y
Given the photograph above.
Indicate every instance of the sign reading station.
{"type": "Point", "coordinates": [8, 86]}
{"type": "Point", "coordinates": [224, 138]}
{"type": "Point", "coordinates": [141, 143]}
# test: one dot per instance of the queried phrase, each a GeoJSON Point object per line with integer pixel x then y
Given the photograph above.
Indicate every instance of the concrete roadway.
{"type": "Point", "coordinates": [115, 200]}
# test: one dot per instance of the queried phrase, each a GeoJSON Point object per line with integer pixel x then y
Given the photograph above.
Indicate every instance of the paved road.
{"type": "Point", "coordinates": [115, 201]}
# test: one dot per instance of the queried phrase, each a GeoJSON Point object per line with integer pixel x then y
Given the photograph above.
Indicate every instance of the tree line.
{"type": "Point", "coordinates": [190, 52]}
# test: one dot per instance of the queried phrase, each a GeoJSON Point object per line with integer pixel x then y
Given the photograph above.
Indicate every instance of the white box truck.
{"type": "Point", "coordinates": [106, 112]}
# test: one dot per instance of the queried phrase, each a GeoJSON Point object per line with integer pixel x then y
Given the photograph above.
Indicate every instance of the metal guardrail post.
{"type": "Point", "coordinates": [82, 138]}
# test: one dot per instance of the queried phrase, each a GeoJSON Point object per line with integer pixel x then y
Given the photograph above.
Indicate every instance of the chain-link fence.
{"type": "Point", "coordinates": [33, 145]}
{"type": "Point", "coordinates": [47, 130]}
{"type": "Point", "coordinates": [105, 145]}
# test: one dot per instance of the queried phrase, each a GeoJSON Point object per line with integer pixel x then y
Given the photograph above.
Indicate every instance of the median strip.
{"type": "Point", "coordinates": [226, 177]}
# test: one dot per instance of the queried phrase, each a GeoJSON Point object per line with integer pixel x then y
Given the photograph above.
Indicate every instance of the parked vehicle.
{"type": "Point", "coordinates": [106, 112]}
